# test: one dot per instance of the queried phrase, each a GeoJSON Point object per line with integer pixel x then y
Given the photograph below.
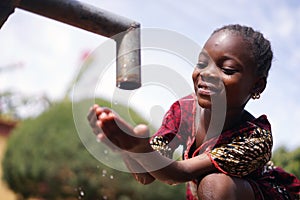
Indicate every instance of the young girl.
{"type": "Point", "coordinates": [227, 163]}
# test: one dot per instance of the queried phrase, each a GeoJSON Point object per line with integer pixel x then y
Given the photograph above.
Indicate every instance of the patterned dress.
{"type": "Point", "coordinates": [243, 151]}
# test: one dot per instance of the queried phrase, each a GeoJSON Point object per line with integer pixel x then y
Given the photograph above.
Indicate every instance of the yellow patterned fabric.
{"type": "Point", "coordinates": [245, 153]}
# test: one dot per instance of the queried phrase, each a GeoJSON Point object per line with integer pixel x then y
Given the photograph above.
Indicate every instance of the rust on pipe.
{"type": "Point", "coordinates": [124, 31]}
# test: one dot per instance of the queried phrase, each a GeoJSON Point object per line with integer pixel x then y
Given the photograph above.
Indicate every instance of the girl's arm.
{"type": "Point", "coordinates": [138, 172]}
{"type": "Point", "coordinates": [135, 143]}
{"type": "Point", "coordinates": [174, 172]}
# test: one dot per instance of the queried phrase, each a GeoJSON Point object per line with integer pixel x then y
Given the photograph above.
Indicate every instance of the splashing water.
{"type": "Point", "coordinates": [104, 172]}
{"type": "Point", "coordinates": [81, 192]}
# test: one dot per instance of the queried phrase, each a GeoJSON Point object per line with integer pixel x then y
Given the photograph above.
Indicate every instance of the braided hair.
{"type": "Point", "coordinates": [260, 46]}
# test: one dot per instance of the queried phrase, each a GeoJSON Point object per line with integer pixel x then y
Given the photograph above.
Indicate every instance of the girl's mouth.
{"type": "Point", "coordinates": [206, 89]}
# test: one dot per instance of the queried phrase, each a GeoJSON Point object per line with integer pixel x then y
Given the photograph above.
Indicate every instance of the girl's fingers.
{"type": "Point", "coordinates": [100, 110]}
{"type": "Point", "coordinates": [90, 114]}
{"type": "Point", "coordinates": [93, 116]}
{"type": "Point", "coordinates": [102, 116]}
{"type": "Point", "coordinates": [93, 123]}
{"type": "Point", "coordinates": [98, 117]}
{"type": "Point", "coordinates": [111, 129]}
{"type": "Point", "coordinates": [93, 120]}
{"type": "Point", "coordinates": [96, 128]}
{"type": "Point", "coordinates": [97, 110]}
{"type": "Point", "coordinates": [96, 121]}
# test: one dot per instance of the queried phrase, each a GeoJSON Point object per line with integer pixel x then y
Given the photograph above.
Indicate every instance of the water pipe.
{"type": "Point", "coordinates": [123, 31]}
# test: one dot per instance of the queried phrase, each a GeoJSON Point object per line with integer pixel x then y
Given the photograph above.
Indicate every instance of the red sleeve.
{"type": "Point", "coordinates": [170, 126]}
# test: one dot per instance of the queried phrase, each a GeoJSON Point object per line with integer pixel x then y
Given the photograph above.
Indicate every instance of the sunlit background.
{"type": "Point", "coordinates": [41, 56]}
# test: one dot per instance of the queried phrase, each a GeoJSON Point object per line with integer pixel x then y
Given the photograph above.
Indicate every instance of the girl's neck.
{"type": "Point", "coordinates": [233, 117]}
{"type": "Point", "coordinates": [212, 125]}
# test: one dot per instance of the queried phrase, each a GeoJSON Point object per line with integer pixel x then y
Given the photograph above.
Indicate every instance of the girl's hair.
{"type": "Point", "coordinates": [260, 46]}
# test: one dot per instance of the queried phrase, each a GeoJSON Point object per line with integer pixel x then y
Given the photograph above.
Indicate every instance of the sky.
{"type": "Point", "coordinates": [50, 53]}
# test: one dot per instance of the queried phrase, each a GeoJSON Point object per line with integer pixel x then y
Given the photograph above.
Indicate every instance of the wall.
{"type": "Point", "coordinates": [5, 130]}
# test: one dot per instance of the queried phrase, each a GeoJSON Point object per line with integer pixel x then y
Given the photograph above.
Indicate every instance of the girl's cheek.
{"type": "Point", "coordinates": [195, 75]}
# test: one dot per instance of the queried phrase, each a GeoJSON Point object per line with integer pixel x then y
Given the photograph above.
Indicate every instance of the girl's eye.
{"type": "Point", "coordinates": [229, 71]}
{"type": "Point", "coordinates": [201, 65]}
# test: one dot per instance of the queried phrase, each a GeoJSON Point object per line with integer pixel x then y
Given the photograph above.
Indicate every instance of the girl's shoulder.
{"type": "Point", "coordinates": [244, 149]}
{"type": "Point", "coordinates": [249, 126]}
{"type": "Point", "coordinates": [262, 122]}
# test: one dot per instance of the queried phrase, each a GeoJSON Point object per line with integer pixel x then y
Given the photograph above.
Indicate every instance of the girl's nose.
{"type": "Point", "coordinates": [210, 73]}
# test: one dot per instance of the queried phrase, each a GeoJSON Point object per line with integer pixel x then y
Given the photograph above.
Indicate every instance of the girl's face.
{"type": "Point", "coordinates": [225, 67]}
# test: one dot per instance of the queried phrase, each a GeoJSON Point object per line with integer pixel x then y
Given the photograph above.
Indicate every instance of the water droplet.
{"type": "Point", "coordinates": [125, 65]}
{"type": "Point", "coordinates": [81, 193]}
{"type": "Point", "coordinates": [111, 177]}
{"type": "Point", "coordinates": [104, 172]}
{"type": "Point", "coordinates": [98, 140]}
{"type": "Point", "coordinates": [104, 197]}
{"type": "Point", "coordinates": [98, 166]}
{"type": "Point", "coordinates": [105, 151]}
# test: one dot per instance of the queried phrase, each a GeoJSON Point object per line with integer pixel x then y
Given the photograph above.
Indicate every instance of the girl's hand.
{"type": "Point", "coordinates": [93, 118]}
{"type": "Point", "coordinates": [117, 133]}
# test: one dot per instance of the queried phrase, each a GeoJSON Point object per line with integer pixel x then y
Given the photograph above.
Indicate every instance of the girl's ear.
{"type": "Point", "coordinates": [259, 85]}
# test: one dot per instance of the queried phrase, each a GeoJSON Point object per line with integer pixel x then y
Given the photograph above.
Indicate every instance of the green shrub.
{"type": "Point", "coordinates": [45, 158]}
{"type": "Point", "coordinates": [289, 160]}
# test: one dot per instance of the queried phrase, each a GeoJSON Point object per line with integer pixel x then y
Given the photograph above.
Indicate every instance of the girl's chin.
{"type": "Point", "coordinates": [204, 103]}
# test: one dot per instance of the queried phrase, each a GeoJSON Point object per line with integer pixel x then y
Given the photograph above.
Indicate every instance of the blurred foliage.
{"type": "Point", "coordinates": [288, 160]}
{"type": "Point", "coordinates": [46, 159]}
